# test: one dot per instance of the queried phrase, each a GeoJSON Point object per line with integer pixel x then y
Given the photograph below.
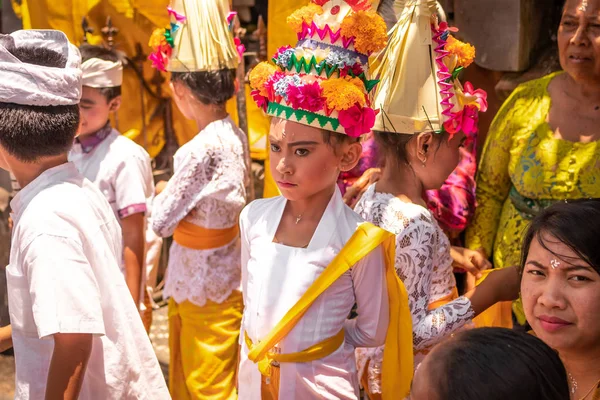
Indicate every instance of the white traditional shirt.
{"type": "Point", "coordinates": [64, 277]}
{"type": "Point", "coordinates": [122, 170]}
{"type": "Point", "coordinates": [424, 264]}
{"type": "Point", "coordinates": [275, 276]}
{"type": "Point", "coordinates": [208, 189]}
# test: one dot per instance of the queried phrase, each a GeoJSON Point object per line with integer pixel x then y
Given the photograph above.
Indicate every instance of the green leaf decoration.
{"type": "Point", "coordinates": [370, 84]}
{"type": "Point", "coordinates": [277, 110]}
{"type": "Point", "coordinates": [169, 38]}
{"type": "Point", "coordinates": [456, 72]}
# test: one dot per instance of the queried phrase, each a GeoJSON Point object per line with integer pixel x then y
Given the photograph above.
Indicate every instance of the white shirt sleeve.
{"type": "Point", "coordinates": [369, 328]}
{"type": "Point", "coordinates": [64, 291]}
{"type": "Point", "coordinates": [131, 178]}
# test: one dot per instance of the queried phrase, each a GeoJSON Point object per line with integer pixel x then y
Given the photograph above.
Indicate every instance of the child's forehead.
{"type": "Point", "coordinates": [288, 131]}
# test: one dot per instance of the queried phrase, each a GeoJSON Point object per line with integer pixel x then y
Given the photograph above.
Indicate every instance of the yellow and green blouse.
{"type": "Point", "coordinates": [523, 169]}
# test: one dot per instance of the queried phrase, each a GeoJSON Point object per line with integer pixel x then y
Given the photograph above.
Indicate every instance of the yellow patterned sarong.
{"type": "Point", "coordinates": [203, 342]}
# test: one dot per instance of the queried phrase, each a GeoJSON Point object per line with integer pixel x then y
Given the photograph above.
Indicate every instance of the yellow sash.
{"type": "Point", "coordinates": [397, 367]}
{"type": "Point", "coordinates": [499, 315]}
{"type": "Point", "coordinates": [198, 238]}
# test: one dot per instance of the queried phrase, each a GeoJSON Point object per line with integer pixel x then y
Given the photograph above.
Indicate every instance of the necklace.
{"type": "Point", "coordinates": [574, 386]}
{"type": "Point", "coordinates": [298, 218]}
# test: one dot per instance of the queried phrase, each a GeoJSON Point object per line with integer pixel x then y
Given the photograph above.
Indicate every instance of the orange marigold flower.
{"type": "Point", "coordinates": [260, 75]}
{"type": "Point", "coordinates": [304, 14]}
{"type": "Point", "coordinates": [464, 52]}
{"type": "Point", "coordinates": [343, 93]}
{"type": "Point", "coordinates": [157, 39]}
{"type": "Point", "coordinates": [368, 29]}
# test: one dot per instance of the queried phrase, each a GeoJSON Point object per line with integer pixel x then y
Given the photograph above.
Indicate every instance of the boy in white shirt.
{"type": "Point", "coordinates": [306, 257]}
{"type": "Point", "coordinates": [76, 332]}
{"type": "Point", "coordinates": [119, 167]}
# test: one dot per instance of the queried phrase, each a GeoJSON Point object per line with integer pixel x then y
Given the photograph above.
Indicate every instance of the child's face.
{"type": "Point", "coordinates": [95, 110]}
{"type": "Point", "coordinates": [302, 164]}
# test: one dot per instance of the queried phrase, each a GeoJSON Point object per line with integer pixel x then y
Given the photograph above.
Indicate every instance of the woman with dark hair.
{"type": "Point", "coordinates": [544, 144]}
{"type": "Point", "coordinates": [560, 288]}
{"type": "Point", "coordinates": [500, 364]}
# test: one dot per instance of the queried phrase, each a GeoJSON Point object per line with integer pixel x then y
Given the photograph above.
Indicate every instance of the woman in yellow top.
{"type": "Point", "coordinates": [561, 289]}
{"type": "Point", "coordinates": [543, 145]}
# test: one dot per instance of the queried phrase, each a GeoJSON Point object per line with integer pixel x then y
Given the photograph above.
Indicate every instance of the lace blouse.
{"type": "Point", "coordinates": [208, 189]}
{"type": "Point", "coordinates": [424, 264]}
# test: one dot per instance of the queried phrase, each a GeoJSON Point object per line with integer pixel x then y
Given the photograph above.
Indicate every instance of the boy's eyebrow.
{"type": "Point", "coordinates": [303, 143]}
{"type": "Point", "coordinates": [88, 102]}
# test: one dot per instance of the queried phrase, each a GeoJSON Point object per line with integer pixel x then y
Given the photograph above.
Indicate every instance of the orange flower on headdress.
{"type": "Point", "coordinates": [343, 93]}
{"type": "Point", "coordinates": [260, 75]}
{"type": "Point", "coordinates": [368, 29]}
{"type": "Point", "coordinates": [464, 52]}
{"type": "Point", "coordinates": [157, 39]}
{"type": "Point", "coordinates": [304, 14]}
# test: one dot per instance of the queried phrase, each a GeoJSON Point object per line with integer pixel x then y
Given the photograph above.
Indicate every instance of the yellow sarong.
{"type": "Point", "coordinates": [203, 342]}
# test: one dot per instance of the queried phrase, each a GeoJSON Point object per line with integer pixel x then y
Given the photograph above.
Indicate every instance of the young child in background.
{"type": "Point", "coordinates": [75, 330]}
{"type": "Point", "coordinates": [201, 203]}
{"type": "Point", "coordinates": [119, 167]}
{"type": "Point", "coordinates": [420, 133]}
{"type": "Point", "coordinates": [307, 258]}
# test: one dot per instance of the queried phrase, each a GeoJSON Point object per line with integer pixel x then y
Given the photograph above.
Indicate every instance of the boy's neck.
{"type": "Point", "coordinates": [311, 208]}
{"type": "Point", "coordinates": [402, 182]}
{"type": "Point", "coordinates": [25, 173]}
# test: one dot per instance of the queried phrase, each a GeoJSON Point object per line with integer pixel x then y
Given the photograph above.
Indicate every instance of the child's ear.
{"type": "Point", "coordinates": [115, 104]}
{"type": "Point", "coordinates": [351, 156]}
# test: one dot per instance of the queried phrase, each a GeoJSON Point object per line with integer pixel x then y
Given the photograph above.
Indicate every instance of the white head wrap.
{"type": "Point", "coordinates": [99, 73]}
{"type": "Point", "coordinates": [36, 85]}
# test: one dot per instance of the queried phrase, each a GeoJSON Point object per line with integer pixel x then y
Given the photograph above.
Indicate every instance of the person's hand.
{"type": "Point", "coordinates": [511, 277]}
{"type": "Point", "coordinates": [473, 262]}
{"type": "Point", "coordinates": [160, 186]}
{"type": "Point", "coordinates": [355, 192]}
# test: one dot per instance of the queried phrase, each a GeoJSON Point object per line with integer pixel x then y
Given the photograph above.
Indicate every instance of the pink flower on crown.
{"type": "Point", "coordinates": [272, 81]}
{"type": "Point", "coordinates": [357, 120]}
{"type": "Point", "coordinates": [159, 61]}
{"type": "Point", "coordinates": [356, 69]}
{"type": "Point", "coordinates": [261, 101]}
{"type": "Point", "coordinates": [307, 97]}
{"type": "Point", "coordinates": [281, 50]}
{"type": "Point", "coordinates": [479, 95]}
{"type": "Point", "coordinates": [240, 47]}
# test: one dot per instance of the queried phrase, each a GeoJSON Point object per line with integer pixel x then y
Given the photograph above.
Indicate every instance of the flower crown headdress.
{"type": "Point", "coordinates": [419, 88]}
{"type": "Point", "coordinates": [324, 81]}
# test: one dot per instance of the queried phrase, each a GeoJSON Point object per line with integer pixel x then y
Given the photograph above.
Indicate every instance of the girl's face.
{"type": "Point", "coordinates": [561, 297]}
{"type": "Point", "coordinates": [441, 158]}
{"type": "Point", "coordinates": [302, 163]}
{"type": "Point", "coordinates": [579, 40]}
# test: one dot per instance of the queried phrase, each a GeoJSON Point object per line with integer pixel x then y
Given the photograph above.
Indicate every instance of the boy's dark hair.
{"type": "Point", "coordinates": [497, 364]}
{"type": "Point", "coordinates": [575, 223]}
{"type": "Point", "coordinates": [31, 132]}
{"type": "Point", "coordinates": [88, 52]}
{"type": "Point", "coordinates": [210, 87]}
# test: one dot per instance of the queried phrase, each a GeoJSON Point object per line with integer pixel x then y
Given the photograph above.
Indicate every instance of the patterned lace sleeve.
{"type": "Point", "coordinates": [493, 179]}
{"type": "Point", "coordinates": [183, 191]}
{"type": "Point", "coordinates": [416, 248]}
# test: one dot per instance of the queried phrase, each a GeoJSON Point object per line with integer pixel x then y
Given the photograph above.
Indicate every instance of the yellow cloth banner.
{"type": "Point", "coordinates": [397, 368]}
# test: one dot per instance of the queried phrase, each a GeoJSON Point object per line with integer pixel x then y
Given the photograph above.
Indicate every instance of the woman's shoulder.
{"type": "Point", "coordinates": [535, 88]}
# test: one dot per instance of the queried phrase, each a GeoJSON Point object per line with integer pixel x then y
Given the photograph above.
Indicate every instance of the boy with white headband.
{"type": "Point", "coordinates": [119, 167]}
{"type": "Point", "coordinates": [75, 331]}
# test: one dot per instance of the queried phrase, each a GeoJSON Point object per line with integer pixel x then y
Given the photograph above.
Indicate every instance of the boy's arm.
{"type": "Point", "coordinates": [68, 364]}
{"type": "Point", "coordinates": [133, 252]}
{"type": "Point", "coordinates": [5, 338]}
